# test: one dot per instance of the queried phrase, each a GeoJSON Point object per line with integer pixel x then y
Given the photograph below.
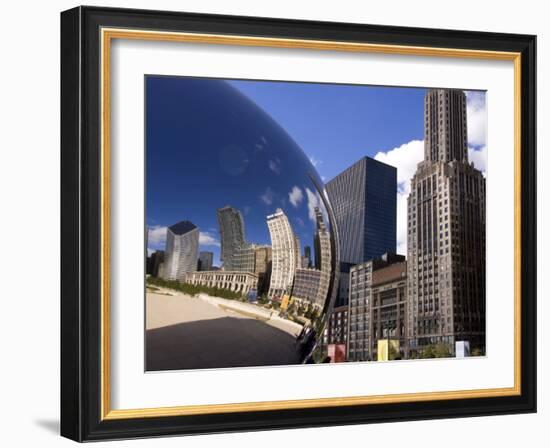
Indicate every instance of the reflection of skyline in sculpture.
{"type": "Point", "coordinates": [181, 254]}
{"type": "Point", "coordinates": [322, 242]}
{"type": "Point", "coordinates": [233, 241]}
{"type": "Point", "coordinates": [209, 146]}
{"type": "Point", "coordinates": [206, 261]}
{"type": "Point", "coordinates": [284, 251]}
{"type": "Point", "coordinates": [279, 265]}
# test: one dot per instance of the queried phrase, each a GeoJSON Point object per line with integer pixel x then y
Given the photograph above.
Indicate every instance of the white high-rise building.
{"type": "Point", "coordinates": [181, 254]}
{"type": "Point", "coordinates": [284, 254]}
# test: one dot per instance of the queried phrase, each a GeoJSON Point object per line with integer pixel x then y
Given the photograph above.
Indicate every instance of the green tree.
{"type": "Point", "coordinates": [436, 351]}
{"type": "Point", "coordinates": [477, 351]}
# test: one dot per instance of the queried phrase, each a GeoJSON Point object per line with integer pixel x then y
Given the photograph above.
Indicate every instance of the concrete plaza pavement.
{"type": "Point", "coordinates": [185, 332]}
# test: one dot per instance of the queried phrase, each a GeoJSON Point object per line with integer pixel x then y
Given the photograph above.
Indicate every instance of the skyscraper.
{"type": "Point", "coordinates": [446, 232]}
{"type": "Point", "coordinates": [364, 201]}
{"type": "Point", "coordinates": [322, 244]}
{"type": "Point", "coordinates": [232, 238]}
{"type": "Point", "coordinates": [180, 256]}
{"type": "Point", "coordinates": [206, 260]}
{"type": "Point", "coordinates": [283, 254]}
{"type": "Point", "coordinates": [306, 259]}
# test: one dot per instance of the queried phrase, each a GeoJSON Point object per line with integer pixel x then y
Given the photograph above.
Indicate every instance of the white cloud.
{"type": "Point", "coordinates": [479, 157]}
{"type": "Point", "coordinates": [315, 162]}
{"type": "Point", "coordinates": [405, 158]}
{"type": "Point", "coordinates": [267, 197]}
{"type": "Point", "coordinates": [477, 118]}
{"type": "Point", "coordinates": [208, 239]}
{"type": "Point", "coordinates": [157, 236]}
{"type": "Point", "coordinates": [314, 200]}
{"type": "Point", "coordinates": [275, 166]}
{"type": "Point", "coordinates": [295, 196]}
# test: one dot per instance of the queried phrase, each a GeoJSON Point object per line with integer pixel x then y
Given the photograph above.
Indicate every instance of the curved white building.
{"type": "Point", "coordinates": [283, 254]}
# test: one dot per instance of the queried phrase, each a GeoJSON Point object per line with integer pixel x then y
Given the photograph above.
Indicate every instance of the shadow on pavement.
{"type": "Point", "coordinates": [217, 343]}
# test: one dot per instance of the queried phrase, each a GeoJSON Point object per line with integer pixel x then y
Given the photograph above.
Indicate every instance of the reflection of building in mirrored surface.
{"type": "Point", "coordinates": [241, 282]}
{"type": "Point", "coordinates": [322, 244]}
{"type": "Point", "coordinates": [306, 285]}
{"type": "Point", "coordinates": [154, 262]}
{"type": "Point", "coordinates": [446, 232]}
{"type": "Point", "coordinates": [243, 259]}
{"type": "Point", "coordinates": [284, 251]}
{"type": "Point", "coordinates": [262, 267]}
{"type": "Point", "coordinates": [378, 294]}
{"type": "Point", "coordinates": [182, 244]}
{"type": "Point", "coordinates": [306, 258]}
{"type": "Point", "coordinates": [206, 260]}
{"type": "Point", "coordinates": [233, 244]}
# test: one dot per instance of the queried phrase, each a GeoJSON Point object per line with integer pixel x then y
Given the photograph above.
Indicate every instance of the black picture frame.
{"type": "Point", "coordinates": [81, 224]}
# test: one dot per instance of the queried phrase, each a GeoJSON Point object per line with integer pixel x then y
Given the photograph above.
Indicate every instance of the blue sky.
{"type": "Point", "coordinates": [334, 125]}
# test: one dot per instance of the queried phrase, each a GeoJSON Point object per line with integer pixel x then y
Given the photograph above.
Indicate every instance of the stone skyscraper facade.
{"type": "Point", "coordinates": [181, 254]}
{"type": "Point", "coordinates": [446, 232]}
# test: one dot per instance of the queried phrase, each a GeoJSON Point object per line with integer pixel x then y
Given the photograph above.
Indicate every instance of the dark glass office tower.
{"type": "Point", "coordinates": [364, 200]}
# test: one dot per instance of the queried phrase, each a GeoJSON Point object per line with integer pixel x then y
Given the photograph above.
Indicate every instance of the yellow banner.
{"type": "Point", "coordinates": [285, 301]}
{"type": "Point", "coordinates": [388, 349]}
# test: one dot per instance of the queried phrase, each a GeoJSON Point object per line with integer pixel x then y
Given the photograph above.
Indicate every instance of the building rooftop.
{"type": "Point", "coordinates": [182, 227]}
{"type": "Point", "coordinates": [392, 272]}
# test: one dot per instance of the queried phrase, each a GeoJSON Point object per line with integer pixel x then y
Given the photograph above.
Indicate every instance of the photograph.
{"type": "Point", "coordinates": [310, 223]}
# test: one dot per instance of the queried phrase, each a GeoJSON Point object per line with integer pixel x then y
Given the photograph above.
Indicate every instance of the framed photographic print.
{"type": "Point", "coordinates": [274, 224]}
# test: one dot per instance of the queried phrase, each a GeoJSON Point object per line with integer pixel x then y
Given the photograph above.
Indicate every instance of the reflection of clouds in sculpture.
{"type": "Point", "coordinates": [268, 196]}
{"type": "Point", "coordinates": [275, 166]}
{"type": "Point", "coordinates": [233, 160]}
{"type": "Point", "coordinates": [295, 196]}
{"type": "Point", "coordinates": [231, 154]}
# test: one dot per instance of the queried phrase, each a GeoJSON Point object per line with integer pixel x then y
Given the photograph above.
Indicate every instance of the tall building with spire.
{"type": "Point", "coordinates": [446, 232]}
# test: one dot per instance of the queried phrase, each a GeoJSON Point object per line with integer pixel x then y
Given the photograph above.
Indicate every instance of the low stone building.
{"type": "Point", "coordinates": [241, 282]}
{"type": "Point", "coordinates": [377, 306]}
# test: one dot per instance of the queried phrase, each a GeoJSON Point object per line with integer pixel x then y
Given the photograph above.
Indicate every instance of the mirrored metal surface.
{"type": "Point", "coordinates": [241, 242]}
